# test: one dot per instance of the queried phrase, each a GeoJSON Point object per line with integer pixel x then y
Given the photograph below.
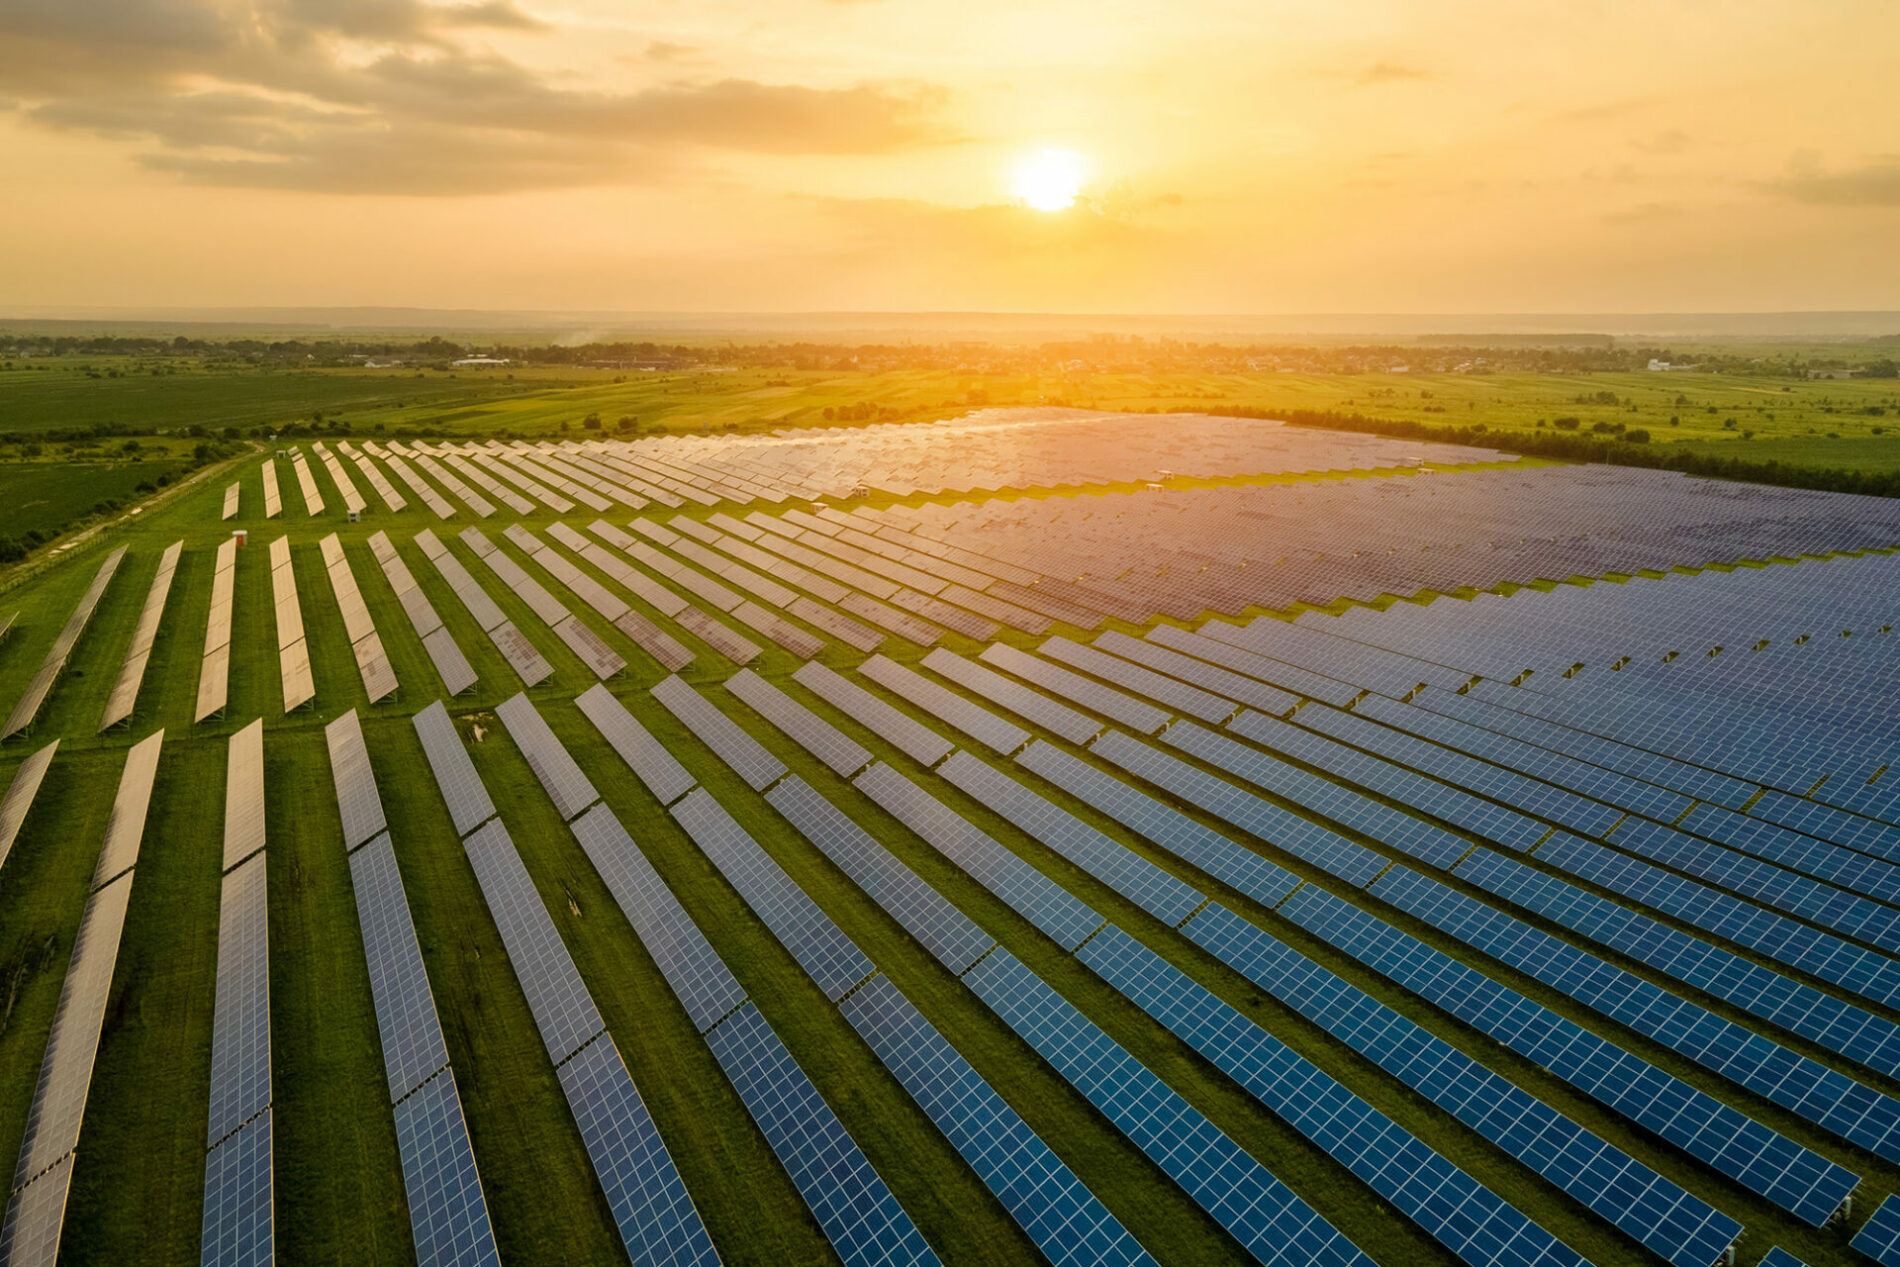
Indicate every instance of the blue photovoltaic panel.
{"type": "Point", "coordinates": [1456, 1210]}
{"type": "Point", "coordinates": [644, 1190]}
{"type": "Point", "coordinates": [455, 775]}
{"type": "Point", "coordinates": [566, 786]}
{"type": "Point", "coordinates": [911, 737]}
{"type": "Point", "coordinates": [747, 757]}
{"type": "Point", "coordinates": [238, 1229]}
{"type": "Point", "coordinates": [805, 728]}
{"type": "Point", "coordinates": [853, 1205]}
{"type": "Point", "coordinates": [1284, 829]}
{"type": "Point", "coordinates": [949, 934]}
{"type": "Point", "coordinates": [1122, 869]}
{"type": "Point", "coordinates": [1133, 713]}
{"type": "Point", "coordinates": [646, 756]}
{"type": "Point", "coordinates": [832, 959]}
{"type": "Point", "coordinates": [1667, 1220]}
{"type": "Point", "coordinates": [1880, 1238]}
{"type": "Point", "coordinates": [1058, 1211]}
{"type": "Point", "coordinates": [1034, 706]}
{"type": "Point", "coordinates": [447, 1211]}
{"type": "Point", "coordinates": [240, 1019]}
{"type": "Point", "coordinates": [973, 720]}
{"type": "Point", "coordinates": [1063, 916]}
{"type": "Point", "coordinates": [1263, 1214]}
{"type": "Point", "coordinates": [563, 1010]}
{"type": "Point", "coordinates": [1225, 860]}
{"type": "Point", "coordinates": [399, 984]}
{"type": "Point", "coordinates": [704, 985]}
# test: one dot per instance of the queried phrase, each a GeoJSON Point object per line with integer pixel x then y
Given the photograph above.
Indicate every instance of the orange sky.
{"type": "Point", "coordinates": [1242, 155]}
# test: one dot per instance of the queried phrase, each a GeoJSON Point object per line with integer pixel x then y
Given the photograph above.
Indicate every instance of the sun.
{"type": "Point", "coordinates": [1050, 180]}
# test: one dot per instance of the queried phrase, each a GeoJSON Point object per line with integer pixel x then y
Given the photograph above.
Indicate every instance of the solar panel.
{"type": "Point", "coordinates": [238, 1229]}
{"type": "Point", "coordinates": [973, 720]}
{"type": "Point", "coordinates": [455, 775]}
{"type": "Point", "coordinates": [805, 728]}
{"type": "Point", "coordinates": [566, 786]}
{"type": "Point", "coordinates": [59, 1098]}
{"type": "Point", "coordinates": [866, 1225]}
{"type": "Point", "coordinates": [694, 970]}
{"type": "Point", "coordinates": [1043, 1195]}
{"type": "Point", "coordinates": [590, 647]}
{"type": "Point", "coordinates": [747, 757]}
{"type": "Point", "coordinates": [563, 1010]}
{"type": "Point", "coordinates": [447, 1212]}
{"type": "Point", "coordinates": [20, 794]}
{"type": "Point", "coordinates": [126, 826]}
{"type": "Point", "coordinates": [244, 794]}
{"type": "Point", "coordinates": [1110, 703]}
{"type": "Point", "coordinates": [946, 932]}
{"type": "Point", "coordinates": [240, 1018]}
{"type": "Point", "coordinates": [910, 736]}
{"type": "Point", "coordinates": [1060, 914]}
{"type": "Point", "coordinates": [1234, 864]}
{"type": "Point", "coordinates": [649, 1201]}
{"type": "Point", "coordinates": [828, 956]}
{"type": "Point", "coordinates": [1019, 699]}
{"type": "Point", "coordinates": [1122, 869]}
{"type": "Point", "coordinates": [646, 756]}
{"type": "Point", "coordinates": [1879, 1239]}
{"type": "Point", "coordinates": [399, 985]}
{"type": "Point", "coordinates": [1265, 1216]}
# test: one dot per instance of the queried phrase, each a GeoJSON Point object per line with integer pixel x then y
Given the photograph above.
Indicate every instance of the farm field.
{"type": "Point", "coordinates": [1141, 728]}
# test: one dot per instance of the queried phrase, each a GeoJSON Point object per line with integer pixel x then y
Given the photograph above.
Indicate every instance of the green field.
{"type": "Point", "coordinates": [138, 1181]}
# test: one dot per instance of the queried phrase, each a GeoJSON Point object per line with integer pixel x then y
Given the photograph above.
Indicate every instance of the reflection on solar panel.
{"type": "Point", "coordinates": [244, 795]}
{"type": "Point", "coordinates": [1264, 1215]}
{"type": "Point", "coordinates": [747, 757]}
{"type": "Point", "coordinates": [649, 1201]}
{"type": "Point", "coordinates": [1131, 712]}
{"type": "Point", "coordinates": [240, 1024]}
{"type": "Point", "coordinates": [949, 934]}
{"type": "Point", "coordinates": [1127, 872]}
{"type": "Point", "coordinates": [1043, 1194]}
{"type": "Point", "coordinates": [1019, 699]}
{"type": "Point", "coordinates": [563, 1010]}
{"type": "Point", "coordinates": [1057, 912]}
{"type": "Point", "coordinates": [646, 756]}
{"type": "Point", "coordinates": [28, 706]}
{"type": "Point", "coordinates": [857, 1211]}
{"type": "Point", "coordinates": [1466, 1217]}
{"type": "Point", "coordinates": [566, 786]}
{"type": "Point", "coordinates": [455, 775]}
{"type": "Point", "coordinates": [238, 1228]}
{"type": "Point", "coordinates": [910, 736]}
{"type": "Point", "coordinates": [126, 689]}
{"type": "Point", "coordinates": [828, 956]}
{"type": "Point", "coordinates": [805, 728]}
{"type": "Point", "coordinates": [973, 720]}
{"type": "Point", "coordinates": [447, 1212]}
{"type": "Point", "coordinates": [20, 794]}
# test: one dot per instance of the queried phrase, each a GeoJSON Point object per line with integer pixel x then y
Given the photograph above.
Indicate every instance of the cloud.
{"type": "Point", "coordinates": [1389, 73]}
{"type": "Point", "coordinates": [1876, 184]}
{"type": "Point", "coordinates": [257, 93]}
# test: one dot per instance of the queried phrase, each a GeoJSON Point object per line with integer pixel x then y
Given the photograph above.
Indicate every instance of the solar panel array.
{"type": "Point", "coordinates": [372, 662]}
{"type": "Point", "coordinates": [293, 652]}
{"type": "Point", "coordinates": [36, 1202]}
{"type": "Point", "coordinates": [125, 691]}
{"type": "Point", "coordinates": [214, 672]}
{"type": "Point", "coordinates": [513, 645]}
{"type": "Point", "coordinates": [28, 707]}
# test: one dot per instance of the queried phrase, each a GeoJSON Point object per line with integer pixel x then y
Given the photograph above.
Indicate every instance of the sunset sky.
{"type": "Point", "coordinates": [1239, 156]}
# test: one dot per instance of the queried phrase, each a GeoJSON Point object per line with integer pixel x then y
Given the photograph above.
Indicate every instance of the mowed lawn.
{"type": "Point", "coordinates": [138, 1185]}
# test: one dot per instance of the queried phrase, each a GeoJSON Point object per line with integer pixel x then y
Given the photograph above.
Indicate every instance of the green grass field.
{"type": "Point", "coordinates": [138, 1183]}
